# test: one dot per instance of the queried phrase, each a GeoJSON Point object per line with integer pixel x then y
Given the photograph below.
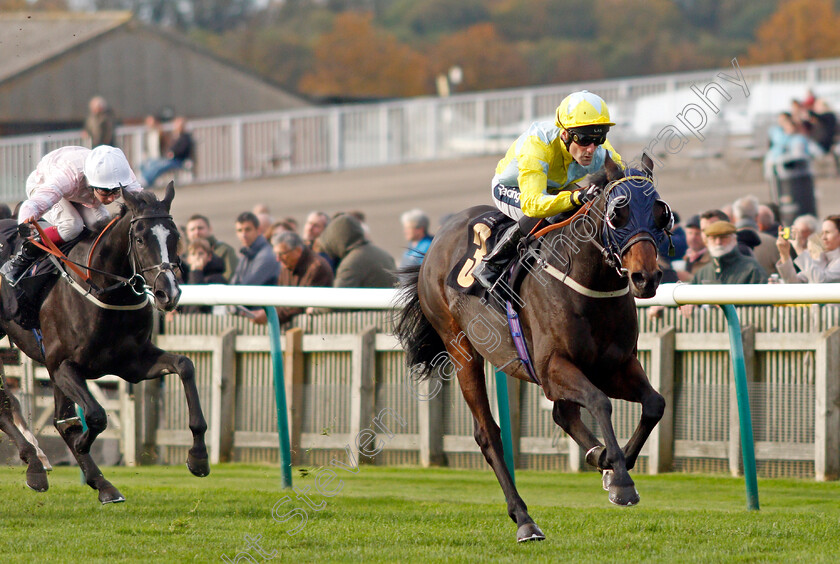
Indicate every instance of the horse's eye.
{"type": "Point", "coordinates": [139, 240]}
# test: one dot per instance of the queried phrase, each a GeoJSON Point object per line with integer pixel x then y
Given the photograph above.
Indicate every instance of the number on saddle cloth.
{"type": "Point", "coordinates": [482, 234]}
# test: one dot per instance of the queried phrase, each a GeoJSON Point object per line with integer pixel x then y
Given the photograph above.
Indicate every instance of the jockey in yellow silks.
{"type": "Point", "coordinates": [534, 178]}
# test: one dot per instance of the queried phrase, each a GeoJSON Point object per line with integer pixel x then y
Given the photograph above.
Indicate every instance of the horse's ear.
{"type": "Point", "coordinates": [647, 165]}
{"type": "Point", "coordinates": [614, 171]}
{"type": "Point", "coordinates": [169, 194]}
{"type": "Point", "coordinates": [129, 199]}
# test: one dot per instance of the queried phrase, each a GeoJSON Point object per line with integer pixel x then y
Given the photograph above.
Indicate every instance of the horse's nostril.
{"type": "Point", "coordinates": [638, 279]}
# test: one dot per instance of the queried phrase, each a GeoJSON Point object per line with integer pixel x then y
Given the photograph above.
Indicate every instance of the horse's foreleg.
{"type": "Point", "coordinates": [567, 415]}
{"type": "Point", "coordinates": [488, 437]}
{"type": "Point", "coordinates": [565, 381]}
{"type": "Point", "coordinates": [154, 363]}
{"type": "Point", "coordinates": [633, 385]}
{"type": "Point", "coordinates": [11, 422]}
{"type": "Point", "coordinates": [69, 427]}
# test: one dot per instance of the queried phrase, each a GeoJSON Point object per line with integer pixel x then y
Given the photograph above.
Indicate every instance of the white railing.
{"type": "Point", "coordinates": [418, 129]}
{"type": "Point", "coordinates": [385, 298]}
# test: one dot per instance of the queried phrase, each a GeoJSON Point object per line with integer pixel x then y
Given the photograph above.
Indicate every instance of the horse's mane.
{"type": "Point", "coordinates": [146, 198]}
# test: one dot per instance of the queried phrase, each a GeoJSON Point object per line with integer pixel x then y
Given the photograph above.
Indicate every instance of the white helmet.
{"type": "Point", "coordinates": [106, 167]}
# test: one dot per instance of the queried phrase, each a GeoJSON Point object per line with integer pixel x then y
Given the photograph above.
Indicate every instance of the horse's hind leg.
{"type": "Point", "coordinates": [11, 423]}
{"type": "Point", "coordinates": [488, 437]}
{"type": "Point", "coordinates": [153, 363]}
{"type": "Point", "coordinates": [69, 427]}
{"type": "Point", "coordinates": [632, 384]}
{"type": "Point", "coordinates": [565, 381]}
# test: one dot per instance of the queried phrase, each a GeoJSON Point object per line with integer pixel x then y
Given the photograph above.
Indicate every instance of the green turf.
{"type": "Point", "coordinates": [414, 515]}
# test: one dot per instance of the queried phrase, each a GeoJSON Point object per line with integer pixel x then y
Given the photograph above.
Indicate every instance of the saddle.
{"type": "Point", "coordinates": [483, 234]}
{"type": "Point", "coordinates": [22, 304]}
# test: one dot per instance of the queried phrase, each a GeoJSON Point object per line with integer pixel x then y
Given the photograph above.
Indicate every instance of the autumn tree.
{"type": "Point", "coordinates": [486, 60]}
{"type": "Point", "coordinates": [797, 31]}
{"type": "Point", "coordinates": [357, 60]}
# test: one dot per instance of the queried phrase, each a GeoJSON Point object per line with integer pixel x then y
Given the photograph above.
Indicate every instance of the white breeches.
{"type": "Point", "coordinates": [69, 218]}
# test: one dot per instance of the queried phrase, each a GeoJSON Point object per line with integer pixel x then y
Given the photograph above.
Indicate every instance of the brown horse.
{"type": "Point", "coordinates": [578, 315]}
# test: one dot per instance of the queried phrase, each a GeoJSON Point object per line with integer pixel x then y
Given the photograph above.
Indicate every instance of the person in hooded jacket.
{"type": "Point", "coordinates": [359, 263]}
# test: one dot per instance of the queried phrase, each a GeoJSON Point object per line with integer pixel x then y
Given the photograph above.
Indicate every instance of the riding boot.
{"type": "Point", "coordinates": [493, 265]}
{"type": "Point", "coordinates": [16, 267]}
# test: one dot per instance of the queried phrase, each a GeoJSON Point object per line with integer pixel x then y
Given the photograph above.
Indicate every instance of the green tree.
{"type": "Point", "coordinates": [532, 20]}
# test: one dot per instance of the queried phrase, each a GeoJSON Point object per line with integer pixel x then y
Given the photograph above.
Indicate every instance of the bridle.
{"type": "Point", "coordinates": [610, 244]}
{"type": "Point", "coordinates": [136, 282]}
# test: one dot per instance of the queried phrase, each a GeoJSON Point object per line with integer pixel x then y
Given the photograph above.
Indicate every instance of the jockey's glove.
{"type": "Point", "coordinates": [581, 197]}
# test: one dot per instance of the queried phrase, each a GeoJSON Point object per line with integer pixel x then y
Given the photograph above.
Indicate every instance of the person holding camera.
{"type": "Point", "coordinates": [815, 266]}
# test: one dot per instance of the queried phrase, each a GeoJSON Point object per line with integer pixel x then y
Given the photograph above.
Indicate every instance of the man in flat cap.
{"type": "Point", "coordinates": [728, 265]}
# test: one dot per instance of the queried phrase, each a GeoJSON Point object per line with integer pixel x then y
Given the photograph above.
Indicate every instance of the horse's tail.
{"type": "Point", "coordinates": [417, 336]}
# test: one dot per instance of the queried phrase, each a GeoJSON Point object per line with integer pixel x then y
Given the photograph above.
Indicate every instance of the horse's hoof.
{"type": "Point", "coordinates": [529, 532]}
{"type": "Point", "coordinates": [606, 479]}
{"type": "Point", "coordinates": [198, 466]}
{"type": "Point", "coordinates": [625, 496]}
{"type": "Point", "coordinates": [110, 494]}
{"type": "Point", "coordinates": [37, 481]}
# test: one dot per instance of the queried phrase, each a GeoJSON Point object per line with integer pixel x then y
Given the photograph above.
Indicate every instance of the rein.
{"type": "Point", "coordinates": [136, 282]}
{"type": "Point", "coordinates": [610, 249]}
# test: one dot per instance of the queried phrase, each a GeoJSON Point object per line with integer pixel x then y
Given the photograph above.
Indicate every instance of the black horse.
{"type": "Point", "coordinates": [86, 335]}
{"type": "Point", "coordinates": [578, 316]}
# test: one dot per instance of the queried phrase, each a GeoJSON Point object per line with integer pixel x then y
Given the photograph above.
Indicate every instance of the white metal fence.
{"type": "Point", "coordinates": [418, 129]}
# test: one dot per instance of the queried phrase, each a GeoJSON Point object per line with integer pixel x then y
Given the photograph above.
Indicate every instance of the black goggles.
{"type": "Point", "coordinates": [104, 191]}
{"type": "Point", "coordinates": [586, 140]}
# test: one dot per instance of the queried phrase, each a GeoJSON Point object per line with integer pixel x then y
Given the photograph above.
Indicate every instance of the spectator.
{"type": "Point", "coordinates": [817, 267]}
{"type": "Point", "coordinates": [823, 125]}
{"type": "Point", "coordinates": [766, 220]}
{"type": "Point", "coordinates": [360, 264]}
{"type": "Point", "coordinates": [361, 217]}
{"type": "Point", "coordinates": [276, 228]}
{"type": "Point", "coordinates": [415, 226]}
{"type": "Point", "coordinates": [315, 224]}
{"type": "Point", "coordinates": [787, 144]}
{"type": "Point", "coordinates": [153, 139]}
{"type": "Point", "coordinates": [204, 268]}
{"type": "Point", "coordinates": [198, 227]}
{"type": "Point", "coordinates": [711, 216]}
{"type": "Point", "coordinates": [264, 217]}
{"type": "Point", "coordinates": [178, 153]}
{"type": "Point", "coordinates": [100, 123]}
{"type": "Point", "coordinates": [696, 255]}
{"type": "Point", "coordinates": [5, 212]}
{"type": "Point", "coordinates": [257, 263]}
{"type": "Point", "coordinates": [299, 266]}
{"type": "Point", "coordinates": [746, 213]}
{"type": "Point", "coordinates": [803, 227]}
{"type": "Point", "coordinates": [728, 266]}
{"type": "Point", "coordinates": [292, 223]}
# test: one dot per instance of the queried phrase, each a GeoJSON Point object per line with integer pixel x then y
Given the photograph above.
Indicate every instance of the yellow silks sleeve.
{"type": "Point", "coordinates": [534, 157]}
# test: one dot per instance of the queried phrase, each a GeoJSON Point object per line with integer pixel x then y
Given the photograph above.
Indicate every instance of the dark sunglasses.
{"type": "Point", "coordinates": [104, 191]}
{"type": "Point", "coordinates": [587, 140]}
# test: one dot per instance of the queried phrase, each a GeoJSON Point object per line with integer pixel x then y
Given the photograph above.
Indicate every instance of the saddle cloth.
{"type": "Point", "coordinates": [483, 232]}
{"type": "Point", "coordinates": [22, 303]}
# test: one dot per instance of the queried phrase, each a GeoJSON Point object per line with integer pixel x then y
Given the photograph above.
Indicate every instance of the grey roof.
{"type": "Point", "coordinates": [30, 38]}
